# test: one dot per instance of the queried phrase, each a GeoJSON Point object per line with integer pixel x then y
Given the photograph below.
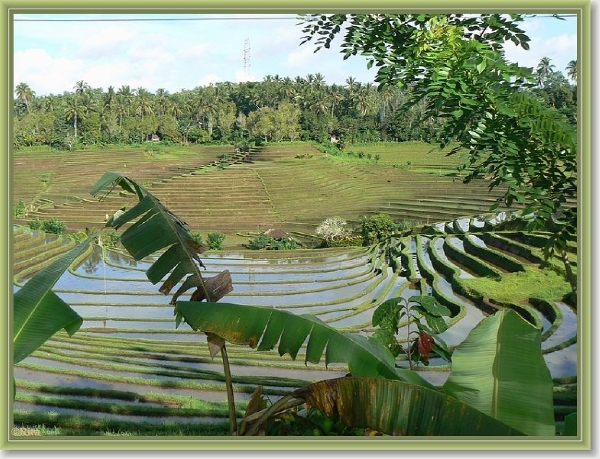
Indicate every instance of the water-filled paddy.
{"type": "Point", "coordinates": [128, 323]}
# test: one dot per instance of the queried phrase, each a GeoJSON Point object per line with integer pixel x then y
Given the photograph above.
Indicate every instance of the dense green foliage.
{"type": "Point", "coordinates": [421, 338]}
{"type": "Point", "coordinates": [50, 225]}
{"type": "Point", "coordinates": [512, 124]}
{"type": "Point", "coordinates": [275, 109]}
{"type": "Point", "coordinates": [264, 241]}
{"type": "Point", "coordinates": [215, 240]}
{"type": "Point", "coordinates": [377, 228]}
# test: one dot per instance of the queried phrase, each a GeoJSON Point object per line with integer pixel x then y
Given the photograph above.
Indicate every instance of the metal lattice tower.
{"type": "Point", "coordinates": [247, 57]}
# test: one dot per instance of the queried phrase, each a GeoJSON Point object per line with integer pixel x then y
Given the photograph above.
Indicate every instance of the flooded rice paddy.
{"type": "Point", "coordinates": [129, 341]}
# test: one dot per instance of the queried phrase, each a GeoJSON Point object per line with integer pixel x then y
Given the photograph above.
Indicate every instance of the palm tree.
{"type": "Point", "coordinates": [572, 70]}
{"type": "Point", "coordinates": [543, 71]}
{"type": "Point", "coordinates": [81, 87]}
{"type": "Point", "coordinates": [75, 111]}
{"type": "Point", "coordinates": [25, 94]}
{"type": "Point", "coordinates": [127, 96]}
{"type": "Point", "coordinates": [143, 102]}
{"type": "Point", "coordinates": [365, 99]}
{"type": "Point", "coordinates": [49, 103]}
{"type": "Point", "coordinates": [162, 101]}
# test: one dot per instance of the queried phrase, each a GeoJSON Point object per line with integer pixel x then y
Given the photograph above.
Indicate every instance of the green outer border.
{"type": "Point", "coordinates": [583, 442]}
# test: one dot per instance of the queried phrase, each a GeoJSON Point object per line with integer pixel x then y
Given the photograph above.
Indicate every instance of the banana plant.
{"type": "Point", "coordinates": [502, 349]}
{"type": "Point", "coordinates": [498, 370]}
{"type": "Point", "coordinates": [39, 312]}
{"type": "Point", "coordinates": [387, 406]}
{"type": "Point", "coordinates": [153, 228]}
{"type": "Point", "coordinates": [264, 328]}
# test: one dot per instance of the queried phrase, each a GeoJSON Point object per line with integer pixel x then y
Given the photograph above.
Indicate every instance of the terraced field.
{"type": "Point", "coordinates": [132, 356]}
{"type": "Point", "coordinates": [130, 370]}
{"type": "Point", "coordinates": [293, 187]}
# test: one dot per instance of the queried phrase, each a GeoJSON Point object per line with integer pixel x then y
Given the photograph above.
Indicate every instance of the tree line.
{"type": "Point", "coordinates": [275, 109]}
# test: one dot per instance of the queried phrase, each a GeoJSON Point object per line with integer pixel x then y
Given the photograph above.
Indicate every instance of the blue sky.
{"type": "Point", "coordinates": [116, 50]}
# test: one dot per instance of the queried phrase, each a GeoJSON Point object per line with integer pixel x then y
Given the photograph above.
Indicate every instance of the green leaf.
{"type": "Point", "coordinates": [38, 312]}
{"type": "Point", "coordinates": [399, 408]}
{"type": "Point", "coordinates": [157, 228]}
{"type": "Point", "coordinates": [265, 328]}
{"type": "Point", "coordinates": [431, 305]}
{"type": "Point", "coordinates": [499, 369]}
{"type": "Point", "coordinates": [481, 66]}
{"type": "Point", "coordinates": [570, 425]}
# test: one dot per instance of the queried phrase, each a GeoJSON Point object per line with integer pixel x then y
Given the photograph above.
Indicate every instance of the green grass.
{"type": "Point", "coordinates": [53, 423]}
{"type": "Point", "coordinates": [415, 156]}
{"type": "Point", "coordinates": [520, 286]}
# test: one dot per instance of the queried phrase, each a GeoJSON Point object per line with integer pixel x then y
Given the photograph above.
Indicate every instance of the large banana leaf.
{"type": "Point", "coordinates": [264, 328]}
{"type": "Point", "coordinates": [156, 228]}
{"type": "Point", "coordinates": [398, 408]}
{"type": "Point", "coordinates": [499, 369]}
{"type": "Point", "coordinates": [38, 312]}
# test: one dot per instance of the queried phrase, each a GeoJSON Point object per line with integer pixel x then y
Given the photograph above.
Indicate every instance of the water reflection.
{"type": "Point", "coordinates": [340, 287]}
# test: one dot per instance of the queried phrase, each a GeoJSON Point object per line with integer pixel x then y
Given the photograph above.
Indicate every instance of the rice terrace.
{"type": "Point", "coordinates": [291, 258]}
{"type": "Point", "coordinates": [129, 371]}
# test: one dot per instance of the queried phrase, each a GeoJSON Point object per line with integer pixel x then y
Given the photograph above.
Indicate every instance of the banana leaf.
{"type": "Point", "coordinates": [153, 228]}
{"type": "Point", "coordinates": [399, 408]}
{"type": "Point", "coordinates": [38, 312]}
{"type": "Point", "coordinates": [499, 369]}
{"type": "Point", "coordinates": [570, 425]}
{"type": "Point", "coordinates": [264, 328]}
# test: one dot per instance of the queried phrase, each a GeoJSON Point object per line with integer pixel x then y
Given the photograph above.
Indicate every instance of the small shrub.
{"type": "Point", "coordinates": [54, 226]}
{"type": "Point", "coordinates": [333, 228]}
{"type": "Point", "coordinates": [267, 242]}
{"type": "Point", "coordinates": [259, 242]}
{"type": "Point", "coordinates": [35, 224]}
{"type": "Point", "coordinates": [377, 228]}
{"type": "Point", "coordinates": [45, 178]}
{"type": "Point", "coordinates": [20, 209]}
{"type": "Point", "coordinates": [215, 240]}
{"type": "Point", "coordinates": [79, 236]}
{"type": "Point", "coordinates": [287, 243]}
{"type": "Point", "coordinates": [111, 239]}
{"type": "Point", "coordinates": [197, 237]}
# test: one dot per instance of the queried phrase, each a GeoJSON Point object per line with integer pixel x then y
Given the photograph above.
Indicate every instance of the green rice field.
{"type": "Point", "coordinates": [129, 371]}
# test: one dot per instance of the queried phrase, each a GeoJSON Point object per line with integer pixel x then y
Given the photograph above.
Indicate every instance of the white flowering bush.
{"type": "Point", "coordinates": [332, 229]}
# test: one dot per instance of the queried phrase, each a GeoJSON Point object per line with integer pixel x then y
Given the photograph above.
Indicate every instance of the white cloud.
{"type": "Point", "coordinates": [107, 41]}
{"type": "Point", "coordinates": [208, 80]}
{"type": "Point", "coordinates": [560, 49]}
{"type": "Point", "coordinates": [45, 74]}
{"type": "Point", "coordinates": [241, 76]}
{"type": "Point", "coordinates": [52, 56]}
{"type": "Point", "coordinates": [193, 52]}
{"type": "Point", "coordinates": [301, 58]}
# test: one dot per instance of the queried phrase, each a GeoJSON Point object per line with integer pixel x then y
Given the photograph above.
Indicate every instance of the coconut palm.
{"type": "Point", "coordinates": [75, 111]}
{"type": "Point", "coordinates": [572, 70]}
{"type": "Point", "coordinates": [143, 102]}
{"type": "Point", "coordinates": [25, 94]}
{"type": "Point", "coordinates": [543, 71]}
{"type": "Point", "coordinates": [81, 87]}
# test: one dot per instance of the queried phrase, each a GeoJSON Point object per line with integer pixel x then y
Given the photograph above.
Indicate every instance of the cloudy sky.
{"type": "Point", "coordinates": [175, 52]}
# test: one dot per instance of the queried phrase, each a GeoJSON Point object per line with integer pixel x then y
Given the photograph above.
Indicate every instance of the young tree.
{"type": "Point", "coordinates": [457, 64]}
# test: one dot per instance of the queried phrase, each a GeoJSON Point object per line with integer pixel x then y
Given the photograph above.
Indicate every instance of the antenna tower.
{"type": "Point", "coordinates": [247, 57]}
